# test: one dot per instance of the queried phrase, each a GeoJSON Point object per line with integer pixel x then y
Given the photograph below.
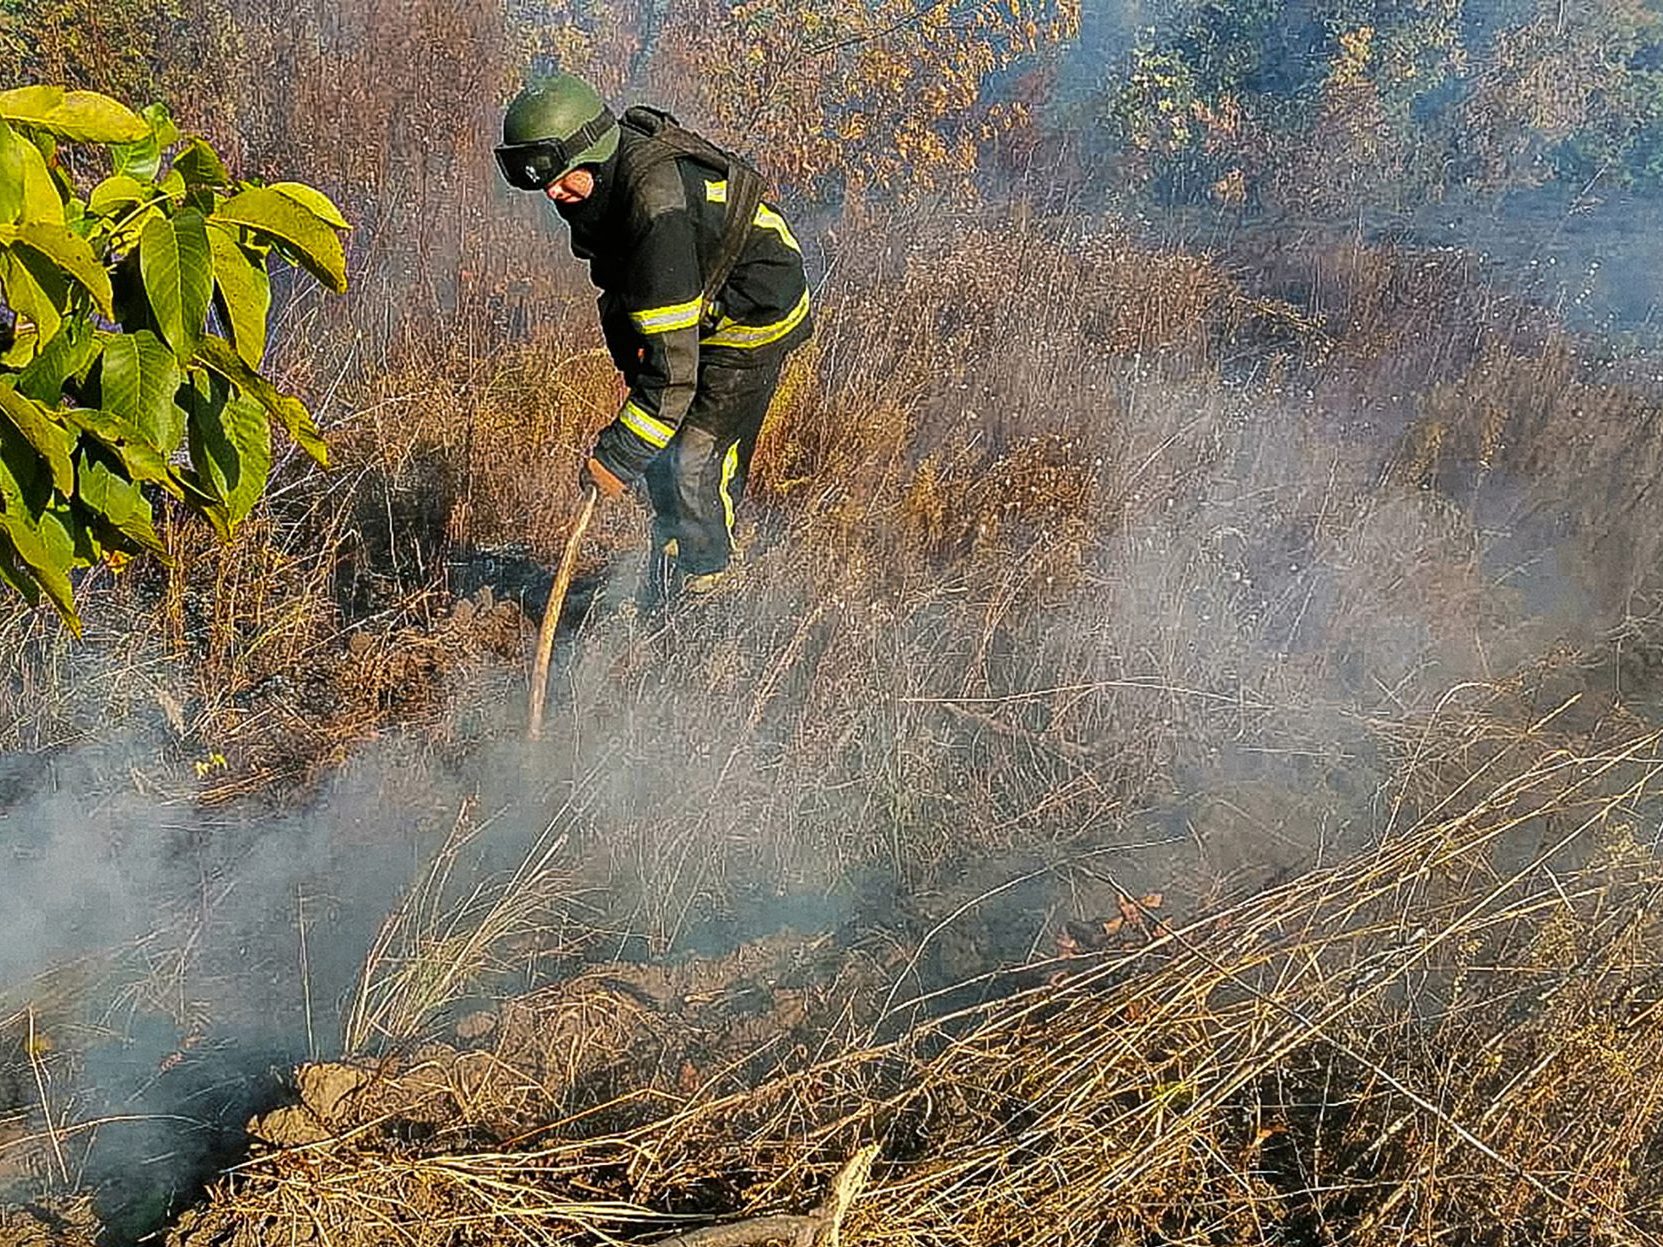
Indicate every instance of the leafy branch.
{"type": "Point", "coordinates": [113, 385]}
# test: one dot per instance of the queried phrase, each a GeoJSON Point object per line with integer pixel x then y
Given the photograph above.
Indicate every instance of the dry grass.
{"type": "Point", "coordinates": [1447, 1036]}
{"type": "Point", "coordinates": [1018, 576]}
{"type": "Point", "coordinates": [1132, 556]}
{"type": "Point", "coordinates": [1076, 559]}
{"type": "Point", "coordinates": [454, 929]}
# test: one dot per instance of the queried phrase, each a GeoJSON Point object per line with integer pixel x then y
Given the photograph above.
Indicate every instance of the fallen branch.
{"type": "Point", "coordinates": [799, 1231]}
{"type": "Point", "coordinates": [821, 1228]}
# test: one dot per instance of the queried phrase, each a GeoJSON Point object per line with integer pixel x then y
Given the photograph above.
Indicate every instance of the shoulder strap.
{"type": "Point", "coordinates": [668, 140]}
{"type": "Point", "coordinates": [745, 190]}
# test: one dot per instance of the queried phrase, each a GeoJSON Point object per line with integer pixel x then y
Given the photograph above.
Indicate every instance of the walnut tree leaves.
{"type": "Point", "coordinates": [138, 322]}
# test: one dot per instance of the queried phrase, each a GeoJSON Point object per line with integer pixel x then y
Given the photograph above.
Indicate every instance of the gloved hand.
{"type": "Point", "coordinates": [597, 474]}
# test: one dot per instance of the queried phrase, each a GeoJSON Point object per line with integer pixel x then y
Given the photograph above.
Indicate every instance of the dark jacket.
{"type": "Point", "coordinates": [650, 254]}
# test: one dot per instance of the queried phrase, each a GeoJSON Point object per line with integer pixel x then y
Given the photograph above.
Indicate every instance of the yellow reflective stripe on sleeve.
{"type": "Point", "coordinates": [648, 428]}
{"type": "Point", "coordinates": [767, 218]}
{"type": "Point", "coordinates": [664, 319]}
{"type": "Point", "coordinates": [716, 192]}
{"type": "Point", "coordinates": [730, 468]}
{"type": "Point", "coordinates": [748, 337]}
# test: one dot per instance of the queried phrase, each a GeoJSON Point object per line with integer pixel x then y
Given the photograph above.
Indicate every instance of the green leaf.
{"type": "Point", "coordinates": [68, 251]}
{"type": "Point", "coordinates": [69, 354]}
{"type": "Point", "coordinates": [118, 501]}
{"type": "Point", "coordinates": [203, 390]}
{"type": "Point", "coordinates": [15, 575]}
{"type": "Point", "coordinates": [200, 496]}
{"type": "Point", "coordinates": [203, 396]}
{"type": "Point", "coordinates": [80, 116]}
{"type": "Point", "coordinates": [117, 191]}
{"type": "Point", "coordinates": [159, 270]}
{"type": "Point", "coordinates": [231, 451]}
{"type": "Point", "coordinates": [177, 269]}
{"type": "Point", "coordinates": [244, 294]}
{"type": "Point", "coordinates": [141, 161]}
{"type": "Point", "coordinates": [88, 117]}
{"type": "Point", "coordinates": [41, 198]}
{"type": "Point", "coordinates": [11, 175]}
{"type": "Point", "coordinates": [49, 439]}
{"type": "Point", "coordinates": [200, 165]}
{"type": "Point", "coordinates": [24, 347]}
{"type": "Point", "coordinates": [25, 480]}
{"type": "Point", "coordinates": [160, 120]}
{"type": "Point", "coordinates": [142, 460]}
{"type": "Point", "coordinates": [47, 558]}
{"type": "Point", "coordinates": [32, 101]}
{"type": "Point", "coordinates": [142, 157]}
{"type": "Point", "coordinates": [314, 201]}
{"type": "Point", "coordinates": [138, 381]}
{"type": "Point", "coordinates": [34, 289]}
{"type": "Point", "coordinates": [28, 191]}
{"type": "Point", "coordinates": [56, 528]}
{"type": "Point", "coordinates": [196, 271]}
{"type": "Point", "coordinates": [91, 536]}
{"type": "Point", "coordinates": [308, 238]}
{"type": "Point", "coordinates": [217, 354]}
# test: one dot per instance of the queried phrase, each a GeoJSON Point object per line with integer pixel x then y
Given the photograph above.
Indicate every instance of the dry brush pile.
{"type": "Point", "coordinates": [1448, 1037]}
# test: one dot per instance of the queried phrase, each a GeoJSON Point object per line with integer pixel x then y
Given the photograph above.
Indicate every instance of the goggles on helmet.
{"type": "Point", "coordinates": [533, 166]}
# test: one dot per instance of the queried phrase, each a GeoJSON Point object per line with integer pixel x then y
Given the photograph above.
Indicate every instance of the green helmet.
{"type": "Point", "coordinates": [552, 127]}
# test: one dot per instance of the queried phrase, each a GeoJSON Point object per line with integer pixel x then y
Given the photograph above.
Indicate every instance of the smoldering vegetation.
{"type": "Point", "coordinates": [1176, 762]}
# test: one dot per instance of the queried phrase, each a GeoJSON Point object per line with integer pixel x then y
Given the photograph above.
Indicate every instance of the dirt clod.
{"type": "Point", "coordinates": [69, 1223]}
{"type": "Point", "coordinates": [323, 1088]}
{"type": "Point", "coordinates": [325, 1091]}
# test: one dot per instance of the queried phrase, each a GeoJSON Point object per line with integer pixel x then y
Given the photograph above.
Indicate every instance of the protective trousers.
{"type": "Point", "coordinates": [697, 480]}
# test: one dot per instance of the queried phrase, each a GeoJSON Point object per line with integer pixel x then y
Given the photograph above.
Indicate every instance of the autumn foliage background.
{"type": "Point", "coordinates": [1172, 506]}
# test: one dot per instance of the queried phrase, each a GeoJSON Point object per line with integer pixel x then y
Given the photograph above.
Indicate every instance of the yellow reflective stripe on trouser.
{"type": "Point", "coordinates": [648, 428]}
{"type": "Point", "coordinates": [730, 468]}
{"type": "Point", "coordinates": [664, 319]}
{"type": "Point", "coordinates": [748, 337]}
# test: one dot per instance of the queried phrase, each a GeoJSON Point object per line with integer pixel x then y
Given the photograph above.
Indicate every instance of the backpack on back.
{"type": "Point", "coordinates": [669, 139]}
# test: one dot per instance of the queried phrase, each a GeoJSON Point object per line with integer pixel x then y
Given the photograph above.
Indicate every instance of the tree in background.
{"type": "Point", "coordinates": [835, 99]}
{"type": "Point", "coordinates": [1342, 105]}
{"type": "Point", "coordinates": [1572, 92]}
{"type": "Point", "coordinates": [393, 108]}
{"type": "Point", "coordinates": [132, 332]}
{"type": "Point", "coordinates": [183, 50]}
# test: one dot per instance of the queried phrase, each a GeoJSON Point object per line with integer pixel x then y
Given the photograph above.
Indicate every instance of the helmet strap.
{"type": "Point", "coordinates": [591, 132]}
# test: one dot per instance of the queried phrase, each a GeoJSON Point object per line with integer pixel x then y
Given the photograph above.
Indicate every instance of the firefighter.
{"type": "Point", "coordinates": [703, 295]}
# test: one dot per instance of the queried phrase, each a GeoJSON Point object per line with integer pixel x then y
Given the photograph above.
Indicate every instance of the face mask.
{"type": "Point", "coordinates": [582, 218]}
{"type": "Point", "coordinates": [575, 213]}
{"type": "Point", "coordinates": [587, 212]}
